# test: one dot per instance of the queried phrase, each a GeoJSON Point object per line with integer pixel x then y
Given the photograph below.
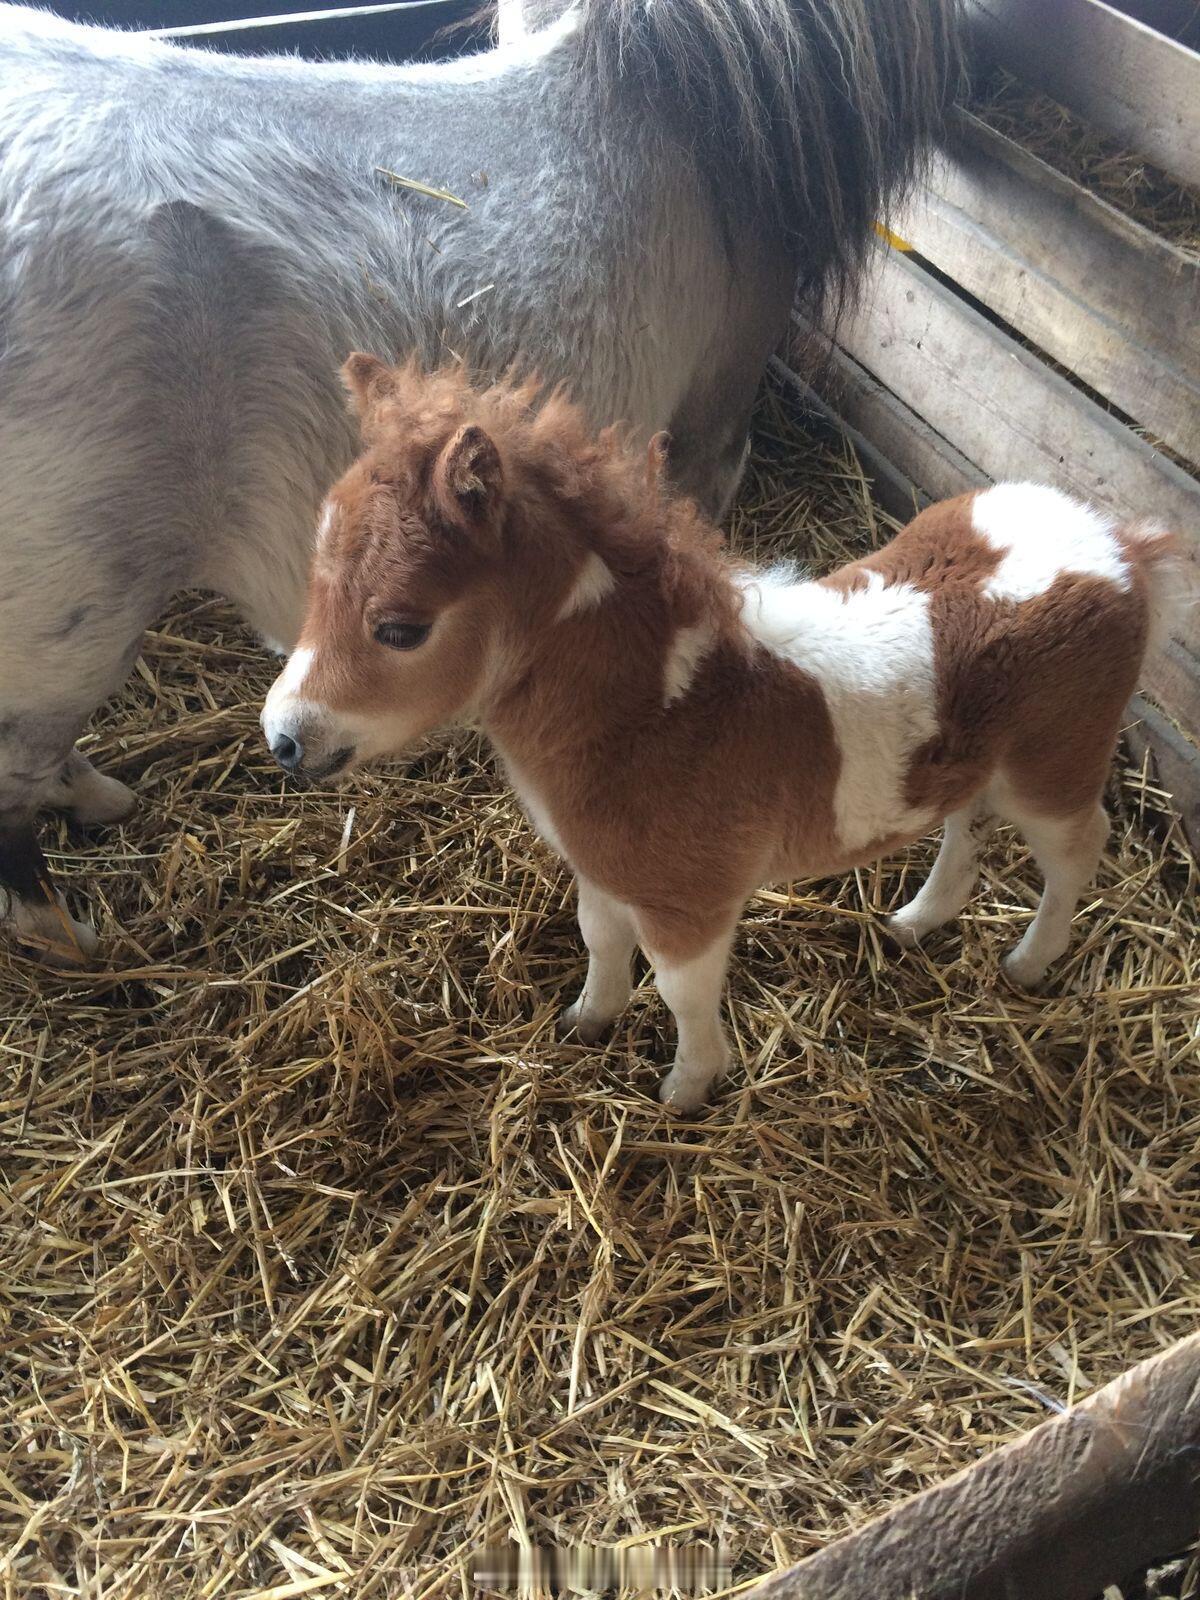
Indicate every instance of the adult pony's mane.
{"type": "Point", "coordinates": [810, 115]}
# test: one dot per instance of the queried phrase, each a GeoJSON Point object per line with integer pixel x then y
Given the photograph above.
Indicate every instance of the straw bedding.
{"type": "Point", "coordinates": [324, 1264]}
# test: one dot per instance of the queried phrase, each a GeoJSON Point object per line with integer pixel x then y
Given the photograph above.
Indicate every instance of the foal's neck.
{"type": "Point", "coordinates": [602, 679]}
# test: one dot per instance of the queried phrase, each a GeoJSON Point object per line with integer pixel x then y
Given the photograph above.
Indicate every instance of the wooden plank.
{"type": "Point", "coordinates": [1126, 79]}
{"type": "Point", "coordinates": [394, 32]}
{"type": "Point", "coordinates": [1179, 19]}
{"type": "Point", "coordinates": [1002, 408]}
{"type": "Point", "coordinates": [1102, 295]}
{"type": "Point", "coordinates": [893, 489]}
{"type": "Point", "coordinates": [1014, 418]}
{"type": "Point", "coordinates": [1082, 1502]}
{"type": "Point", "coordinates": [254, 24]}
{"type": "Point", "coordinates": [903, 450]}
{"type": "Point", "coordinates": [1176, 761]}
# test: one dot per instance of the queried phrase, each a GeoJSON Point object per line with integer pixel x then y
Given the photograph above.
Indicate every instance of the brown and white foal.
{"type": "Point", "coordinates": [684, 730]}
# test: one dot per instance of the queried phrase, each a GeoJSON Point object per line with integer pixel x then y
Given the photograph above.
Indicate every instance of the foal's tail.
{"type": "Point", "coordinates": [808, 115]}
{"type": "Point", "coordinates": [1172, 586]}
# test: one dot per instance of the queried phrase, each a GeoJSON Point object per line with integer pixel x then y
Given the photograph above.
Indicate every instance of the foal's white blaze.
{"type": "Point", "coordinates": [594, 583]}
{"type": "Point", "coordinates": [686, 651]}
{"type": "Point", "coordinates": [1043, 533]}
{"type": "Point", "coordinates": [871, 652]}
{"type": "Point", "coordinates": [291, 680]}
{"type": "Point", "coordinates": [285, 705]}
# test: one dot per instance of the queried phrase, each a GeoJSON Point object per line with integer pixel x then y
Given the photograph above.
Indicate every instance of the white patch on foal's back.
{"type": "Point", "coordinates": [687, 649]}
{"type": "Point", "coordinates": [1043, 533]}
{"type": "Point", "coordinates": [593, 583]}
{"type": "Point", "coordinates": [871, 652]}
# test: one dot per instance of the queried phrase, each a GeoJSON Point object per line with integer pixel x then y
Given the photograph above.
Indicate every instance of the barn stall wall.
{"type": "Point", "coordinates": [403, 30]}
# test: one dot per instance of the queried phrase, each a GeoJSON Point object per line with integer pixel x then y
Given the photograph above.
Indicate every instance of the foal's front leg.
{"type": "Point", "coordinates": [692, 988]}
{"type": "Point", "coordinates": [611, 939]}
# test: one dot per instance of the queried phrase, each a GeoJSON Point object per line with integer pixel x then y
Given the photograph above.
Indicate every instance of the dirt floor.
{"type": "Point", "coordinates": [324, 1264]}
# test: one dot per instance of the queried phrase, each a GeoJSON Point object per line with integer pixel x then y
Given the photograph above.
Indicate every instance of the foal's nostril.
{"type": "Point", "coordinates": [288, 752]}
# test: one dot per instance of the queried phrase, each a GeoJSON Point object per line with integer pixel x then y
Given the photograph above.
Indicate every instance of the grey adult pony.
{"type": "Point", "coordinates": [190, 244]}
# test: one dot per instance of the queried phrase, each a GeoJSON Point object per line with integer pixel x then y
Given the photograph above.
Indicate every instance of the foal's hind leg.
{"type": "Point", "coordinates": [948, 887]}
{"type": "Point", "coordinates": [1068, 851]}
{"type": "Point", "coordinates": [29, 905]}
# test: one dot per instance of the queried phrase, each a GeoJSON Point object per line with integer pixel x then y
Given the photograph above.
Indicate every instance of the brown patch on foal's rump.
{"type": "Point", "coordinates": [939, 547]}
{"type": "Point", "coordinates": [1034, 690]}
{"type": "Point", "coordinates": [1084, 640]}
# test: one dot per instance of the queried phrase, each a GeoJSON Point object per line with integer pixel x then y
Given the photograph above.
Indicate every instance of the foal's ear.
{"type": "Point", "coordinates": [468, 477]}
{"type": "Point", "coordinates": [367, 380]}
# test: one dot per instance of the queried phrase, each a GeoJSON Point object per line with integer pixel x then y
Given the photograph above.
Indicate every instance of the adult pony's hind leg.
{"type": "Point", "coordinates": [29, 905]}
{"type": "Point", "coordinates": [40, 767]}
{"type": "Point", "coordinates": [88, 795]}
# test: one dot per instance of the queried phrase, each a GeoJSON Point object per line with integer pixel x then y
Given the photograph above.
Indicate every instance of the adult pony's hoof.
{"type": "Point", "coordinates": [88, 795]}
{"type": "Point", "coordinates": [48, 931]}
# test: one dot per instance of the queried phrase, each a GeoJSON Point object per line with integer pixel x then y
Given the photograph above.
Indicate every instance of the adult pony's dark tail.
{"type": "Point", "coordinates": [807, 115]}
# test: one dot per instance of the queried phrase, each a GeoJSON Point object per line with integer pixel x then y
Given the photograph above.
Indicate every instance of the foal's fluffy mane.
{"type": "Point", "coordinates": [566, 483]}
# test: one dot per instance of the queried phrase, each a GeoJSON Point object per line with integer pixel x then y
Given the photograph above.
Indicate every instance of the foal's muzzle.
{"type": "Point", "coordinates": [287, 751]}
{"type": "Point", "coordinates": [292, 756]}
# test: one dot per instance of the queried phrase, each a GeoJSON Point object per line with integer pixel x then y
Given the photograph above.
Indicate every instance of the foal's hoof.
{"type": "Point", "coordinates": [902, 931]}
{"type": "Point", "coordinates": [1021, 972]}
{"type": "Point", "coordinates": [682, 1093]}
{"type": "Point", "coordinates": [574, 1023]}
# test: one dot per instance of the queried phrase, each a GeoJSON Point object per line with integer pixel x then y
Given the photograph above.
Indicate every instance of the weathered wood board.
{"type": "Point", "coordinates": [1111, 301]}
{"type": "Point", "coordinates": [1180, 19]}
{"type": "Point", "coordinates": [1128, 80]}
{"type": "Point", "coordinates": [910, 463]}
{"type": "Point", "coordinates": [1002, 407]}
{"type": "Point", "coordinates": [1080, 1503]}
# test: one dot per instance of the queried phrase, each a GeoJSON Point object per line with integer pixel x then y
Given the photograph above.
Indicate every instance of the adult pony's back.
{"type": "Point", "coordinates": [191, 243]}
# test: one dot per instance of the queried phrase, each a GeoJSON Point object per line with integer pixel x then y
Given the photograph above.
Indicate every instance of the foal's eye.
{"type": "Point", "coordinates": [402, 635]}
